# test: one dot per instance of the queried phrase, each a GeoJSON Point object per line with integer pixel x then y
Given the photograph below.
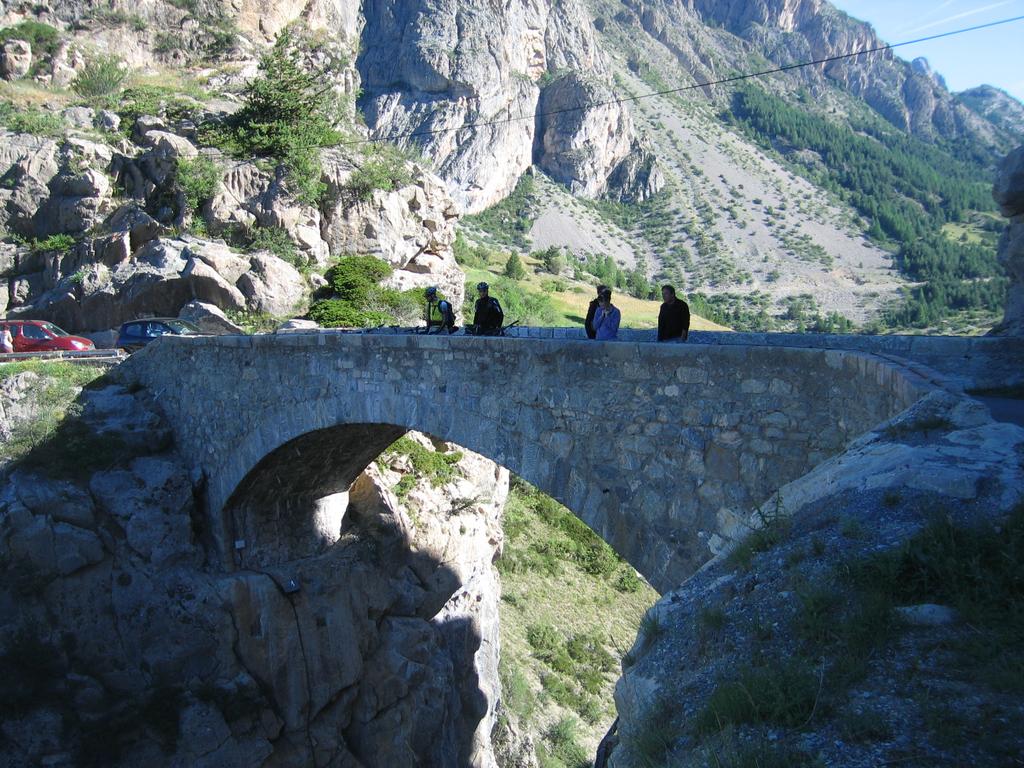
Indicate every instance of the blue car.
{"type": "Point", "coordinates": [138, 333]}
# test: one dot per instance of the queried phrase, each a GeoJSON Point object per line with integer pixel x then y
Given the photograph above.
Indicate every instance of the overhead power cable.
{"type": "Point", "coordinates": [723, 81]}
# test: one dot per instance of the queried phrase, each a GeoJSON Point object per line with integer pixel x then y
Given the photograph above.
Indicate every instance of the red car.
{"type": "Point", "coordinates": [41, 336]}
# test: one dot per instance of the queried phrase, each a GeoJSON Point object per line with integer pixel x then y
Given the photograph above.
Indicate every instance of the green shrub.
{"type": "Point", "coordinates": [336, 313]}
{"type": "Point", "coordinates": [514, 268]}
{"type": "Point", "coordinates": [552, 259]}
{"type": "Point", "coordinates": [359, 301]}
{"type": "Point", "coordinates": [564, 747]}
{"type": "Point", "coordinates": [277, 241]}
{"type": "Point", "coordinates": [353, 278]}
{"type": "Point", "coordinates": [437, 466]}
{"type": "Point", "coordinates": [528, 308]}
{"type": "Point", "coordinates": [784, 694]}
{"type": "Point", "coordinates": [54, 243]}
{"type": "Point", "coordinates": [509, 221]}
{"type": "Point", "coordinates": [31, 120]}
{"type": "Point", "coordinates": [157, 100]}
{"type": "Point", "coordinates": [198, 178]}
{"type": "Point", "coordinates": [383, 169]}
{"type": "Point", "coordinates": [627, 580]}
{"type": "Point", "coordinates": [100, 77]}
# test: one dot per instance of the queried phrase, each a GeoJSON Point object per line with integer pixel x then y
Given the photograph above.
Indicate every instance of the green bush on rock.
{"type": "Point", "coordinates": [359, 301]}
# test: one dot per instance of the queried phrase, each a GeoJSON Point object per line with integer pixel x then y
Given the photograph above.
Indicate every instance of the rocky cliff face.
{"type": "Point", "coordinates": [803, 647]}
{"type": "Point", "coordinates": [123, 642]}
{"type": "Point", "coordinates": [426, 71]}
{"type": "Point", "coordinates": [1008, 192]}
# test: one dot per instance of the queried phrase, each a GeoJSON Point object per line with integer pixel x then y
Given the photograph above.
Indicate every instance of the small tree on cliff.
{"type": "Point", "coordinates": [289, 113]}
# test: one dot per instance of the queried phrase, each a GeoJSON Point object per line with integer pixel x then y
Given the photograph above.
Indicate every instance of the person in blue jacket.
{"type": "Point", "coordinates": [607, 317]}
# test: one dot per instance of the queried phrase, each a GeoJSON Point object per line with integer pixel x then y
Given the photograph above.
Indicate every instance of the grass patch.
{"type": "Point", "coordinates": [782, 694]}
{"type": "Point", "coordinates": [437, 466]}
{"type": "Point", "coordinates": [32, 120]}
{"type": "Point", "coordinates": [572, 541]}
{"type": "Point", "coordinates": [772, 529]}
{"type": "Point", "coordinates": [977, 570]}
{"type": "Point", "coordinates": [509, 222]}
{"type": "Point", "coordinates": [58, 442]}
{"type": "Point", "coordinates": [566, 651]}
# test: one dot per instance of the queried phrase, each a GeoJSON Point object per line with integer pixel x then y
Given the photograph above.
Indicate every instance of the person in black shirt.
{"type": "Point", "coordinates": [588, 324]}
{"type": "Point", "coordinates": [487, 317]}
{"type": "Point", "coordinates": [674, 317]}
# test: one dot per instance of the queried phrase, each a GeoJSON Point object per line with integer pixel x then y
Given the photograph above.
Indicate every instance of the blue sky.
{"type": "Point", "coordinates": [994, 56]}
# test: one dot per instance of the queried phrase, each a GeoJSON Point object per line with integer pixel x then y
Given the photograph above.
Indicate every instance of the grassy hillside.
{"type": "Point", "coordinates": [544, 299]}
{"type": "Point", "coordinates": [570, 610]}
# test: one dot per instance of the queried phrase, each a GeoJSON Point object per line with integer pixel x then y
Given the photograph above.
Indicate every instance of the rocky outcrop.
{"type": "Point", "coordinates": [208, 318]}
{"type": "Point", "coordinates": [125, 639]}
{"type": "Point", "coordinates": [122, 269]}
{"type": "Point", "coordinates": [1008, 192]}
{"type": "Point", "coordinates": [103, 284]}
{"type": "Point", "coordinates": [592, 150]}
{"type": "Point", "coordinates": [780, 617]}
{"type": "Point", "coordinates": [425, 75]}
{"type": "Point", "coordinates": [412, 228]}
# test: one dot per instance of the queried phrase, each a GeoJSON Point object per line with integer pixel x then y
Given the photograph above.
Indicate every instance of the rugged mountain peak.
{"type": "Point", "coordinates": [909, 95]}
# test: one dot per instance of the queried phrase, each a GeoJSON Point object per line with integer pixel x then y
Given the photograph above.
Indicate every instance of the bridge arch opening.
{"type": "Point", "coordinates": [311, 492]}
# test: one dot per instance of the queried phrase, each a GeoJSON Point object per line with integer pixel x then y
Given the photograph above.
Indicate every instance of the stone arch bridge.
{"type": "Point", "coordinates": [658, 448]}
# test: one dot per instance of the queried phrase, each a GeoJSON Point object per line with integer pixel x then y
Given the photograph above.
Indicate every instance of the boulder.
{"type": "Point", "coordinates": [79, 117]}
{"type": "Point", "coordinates": [272, 286]}
{"type": "Point", "coordinates": [248, 197]}
{"type": "Point", "coordinates": [77, 202]}
{"type": "Point", "coordinates": [208, 318]}
{"type": "Point", "coordinates": [28, 164]}
{"type": "Point", "coordinates": [146, 123]}
{"type": "Point", "coordinates": [137, 224]}
{"type": "Point", "coordinates": [15, 59]}
{"type": "Point", "coordinates": [152, 502]}
{"type": "Point", "coordinates": [297, 325]}
{"type": "Point", "coordinates": [67, 61]}
{"type": "Point", "coordinates": [169, 144]}
{"type": "Point", "coordinates": [412, 228]}
{"type": "Point", "coordinates": [107, 120]}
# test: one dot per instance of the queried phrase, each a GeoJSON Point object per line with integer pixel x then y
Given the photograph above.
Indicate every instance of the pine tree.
{"type": "Point", "coordinates": [514, 267]}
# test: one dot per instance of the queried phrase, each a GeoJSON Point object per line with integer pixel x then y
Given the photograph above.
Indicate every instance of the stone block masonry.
{"type": "Point", "coordinates": [661, 449]}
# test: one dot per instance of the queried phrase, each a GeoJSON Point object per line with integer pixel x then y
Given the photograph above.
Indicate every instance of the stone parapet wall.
{"type": "Point", "coordinates": [662, 449]}
{"type": "Point", "coordinates": [969, 362]}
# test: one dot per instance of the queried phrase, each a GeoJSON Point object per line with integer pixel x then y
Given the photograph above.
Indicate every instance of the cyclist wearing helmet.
{"type": "Point", "coordinates": [488, 316]}
{"type": "Point", "coordinates": [440, 313]}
